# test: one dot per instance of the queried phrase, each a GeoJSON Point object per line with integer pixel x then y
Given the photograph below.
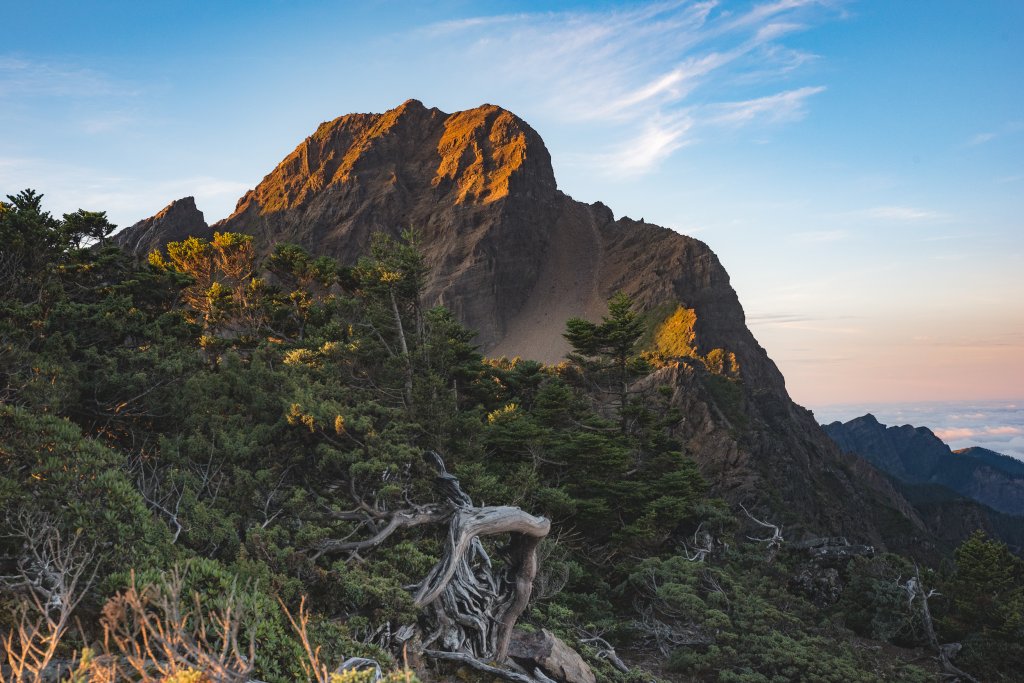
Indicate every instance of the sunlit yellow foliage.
{"type": "Point", "coordinates": [301, 357]}
{"type": "Point", "coordinates": [353, 676]}
{"type": "Point", "coordinates": [221, 272]}
{"type": "Point", "coordinates": [187, 676]}
{"type": "Point", "coordinates": [722, 362]}
{"type": "Point", "coordinates": [675, 336]}
{"type": "Point", "coordinates": [390, 276]}
{"type": "Point", "coordinates": [501, 413]}
{"type": "Point", "coordinates": [297, 417]}
{"type": "Point", "coordinates": [156, 259]}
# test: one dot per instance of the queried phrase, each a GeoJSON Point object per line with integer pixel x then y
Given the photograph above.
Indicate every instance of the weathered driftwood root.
{"type": "Point", "coordinates": [474, 605]}
{"type": "Point", "coordinates": [399, 519]}
{"type": "Point", "coordinates": [464, 582]}
{"type": "Point", "coordinates": [470, 605]}
{"type": "Point", "coordinates": [605, 651]}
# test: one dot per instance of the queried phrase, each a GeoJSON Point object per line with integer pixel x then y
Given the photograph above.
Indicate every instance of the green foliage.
{"type": "Point", "coordinates": [874, 603]}
{"type": "Point", "coordinates": [608, 354]}
{"type": "Point", "coordinates": [746, 626]}
{"type": "Point", "coordinates": [223, 292]}
{"type": "Point", "coordinates": [986, 613]}
{"type": "Point", "coordinates": [47, 467]}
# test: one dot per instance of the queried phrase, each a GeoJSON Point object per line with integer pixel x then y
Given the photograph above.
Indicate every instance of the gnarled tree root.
{"type": "Point", "coordinates": [464, 585]}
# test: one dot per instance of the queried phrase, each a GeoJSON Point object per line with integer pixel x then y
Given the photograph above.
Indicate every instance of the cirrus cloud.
{"type": "Point", "coordinates": [656, 76]}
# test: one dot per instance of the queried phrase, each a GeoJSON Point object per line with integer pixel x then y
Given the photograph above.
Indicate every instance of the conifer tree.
{"type": "Point", "coordinates": [609, 350]}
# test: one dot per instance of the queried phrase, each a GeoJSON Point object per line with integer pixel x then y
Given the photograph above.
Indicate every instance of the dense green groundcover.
{"type": "Point", "coordinates": [212, 414]}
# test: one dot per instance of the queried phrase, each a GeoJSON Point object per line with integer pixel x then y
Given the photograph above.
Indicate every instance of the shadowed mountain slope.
{"type": "Point", "coordinates": [174, 222]}
{"type": "Point", "coordinates": [916, 456]}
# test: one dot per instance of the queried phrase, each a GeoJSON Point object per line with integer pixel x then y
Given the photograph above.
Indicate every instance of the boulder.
{"type": "Point", "coordinates": [556, 659]}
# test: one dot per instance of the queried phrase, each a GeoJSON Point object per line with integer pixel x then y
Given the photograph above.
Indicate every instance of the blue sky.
{"type": "Point", "coordinates": [857, 166]}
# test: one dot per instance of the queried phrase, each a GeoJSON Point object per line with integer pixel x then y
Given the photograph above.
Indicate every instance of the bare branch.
{"type": "Point", "coordinates": [702, 547]}
{"type": "Point", "coordinates": [57, 574]}
{"type": "Point", "coordinates": [155, 632]}
{"type": "Point", "coordinates": [914, 589]}
{"type": "Point", "coordinates": [604, 650]}
{"type": "Point", "coordinates": [402, 519]}
{"type": "Point", "coordinates": [775, 540]}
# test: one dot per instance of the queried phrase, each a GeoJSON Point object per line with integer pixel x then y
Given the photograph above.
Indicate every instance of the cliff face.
{"type": "Point", "coordinates": [514, 258]}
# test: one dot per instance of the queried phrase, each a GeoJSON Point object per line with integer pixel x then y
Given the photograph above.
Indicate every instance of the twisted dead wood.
{"type": "Point", "coordinates": [470, 604]}
{"type": "Point", "coordinates": [473, 605]}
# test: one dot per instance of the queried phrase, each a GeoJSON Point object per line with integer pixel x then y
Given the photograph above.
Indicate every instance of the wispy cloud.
{"type": "Point", "coordinates": [976, 433]}
{"type": "Point", "coordinates": [981, 139]}
{"type": "Point", "coordinates": [105, 122]}
{"type": "Point", "coordinates": [904, 214]}
{"type": "Point", "coordinates": [984, 137]}
{"type": "Point", "coordinates": [656, 141]}
{"type": "Point", "coordinates": [83, 99]}
{"type": "Point", "coordinates": [778, 108]}
{"type": "Point", "coordinates": [659, 76]}
{"type": "Point", "coordinates": [29, 78]}
{"type": "Point", "coordinates": [820, 236]}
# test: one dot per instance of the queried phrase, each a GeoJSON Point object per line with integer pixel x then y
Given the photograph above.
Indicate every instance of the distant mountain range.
{"type": "Point", "coordinates": [950, 489]}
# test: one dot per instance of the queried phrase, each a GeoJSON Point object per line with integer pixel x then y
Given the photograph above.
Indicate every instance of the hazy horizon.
{"type": "Point", "coordinates": [858, 167]}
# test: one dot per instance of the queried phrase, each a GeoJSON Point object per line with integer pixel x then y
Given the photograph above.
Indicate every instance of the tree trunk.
{"type": "Point", "coordinates": [404, 346]}
{"type": "Point", "coordinates": [476, 609]}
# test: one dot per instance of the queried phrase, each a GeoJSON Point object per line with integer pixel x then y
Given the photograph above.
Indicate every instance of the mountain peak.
{"type": "Point", "coordinates": [482, 150]}
{"type": "Point", "coordinates": [176, 221]}
{"type": "Point", "coordinates": [476, 156]}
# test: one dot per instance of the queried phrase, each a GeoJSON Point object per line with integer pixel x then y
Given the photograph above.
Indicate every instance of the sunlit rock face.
{"type": "Point", "coordinates": [514, 258]}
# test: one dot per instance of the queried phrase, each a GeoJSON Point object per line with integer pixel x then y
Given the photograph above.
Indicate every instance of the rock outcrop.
{"type": "Point", "coordinates": [174, 222]}
{"type": "Point", "coordinates": [545, 650]}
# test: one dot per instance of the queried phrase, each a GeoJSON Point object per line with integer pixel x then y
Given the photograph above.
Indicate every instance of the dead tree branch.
{"type": "Point", "coordinates": [56, 574]}
{"type": "Point", "coordinates": [774, 541]}
{"type": "Point", "coordinates": [604, 650]}
{"type": "Point", "coordinates": [701, 548]}
{"type": "Point", "coordinates": [402, 519]}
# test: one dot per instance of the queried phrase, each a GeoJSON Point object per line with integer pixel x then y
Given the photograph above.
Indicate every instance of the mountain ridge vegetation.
{"type": "Point", "coordinates": [240, 429]}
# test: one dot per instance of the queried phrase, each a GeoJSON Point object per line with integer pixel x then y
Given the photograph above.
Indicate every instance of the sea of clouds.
{"type": "Point", "coordinates": [996, 425]}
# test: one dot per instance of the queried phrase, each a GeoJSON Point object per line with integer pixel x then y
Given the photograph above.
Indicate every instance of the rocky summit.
{"type": "Point", "coordinates": [508, 252]}
{"type": "Point", "coordinates": [176, 221]}
{"type": "Point", "coordinates": [514, 258]}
